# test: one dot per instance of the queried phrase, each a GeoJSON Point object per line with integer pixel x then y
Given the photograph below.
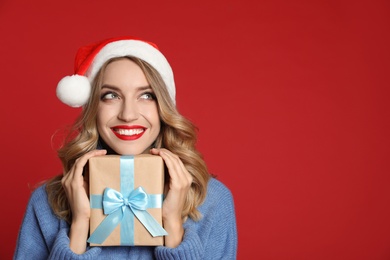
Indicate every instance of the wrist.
{"type": "Point", "coordinates": [78, 235]}
{"type": "Point", "coordinates": [82, 224]}
{"type": "Point", "coordinates": [175, 232]}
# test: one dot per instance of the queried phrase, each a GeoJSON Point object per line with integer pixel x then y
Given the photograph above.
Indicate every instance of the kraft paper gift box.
{"type": "Point", "coordinates": [126, 194]}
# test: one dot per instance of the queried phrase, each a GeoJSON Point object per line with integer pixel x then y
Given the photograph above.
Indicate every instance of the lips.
{"type": "Point", "coordinates": [128, 133]}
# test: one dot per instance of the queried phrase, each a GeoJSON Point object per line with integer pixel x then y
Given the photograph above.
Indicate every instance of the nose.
{"type": "Point", "coordinates": [128, 112]}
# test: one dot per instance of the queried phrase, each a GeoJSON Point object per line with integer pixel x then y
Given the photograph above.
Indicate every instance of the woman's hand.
{"type": "Point", "coordinates": [179, 185]}
{"type": "Point", "coordinates": [76, 189]}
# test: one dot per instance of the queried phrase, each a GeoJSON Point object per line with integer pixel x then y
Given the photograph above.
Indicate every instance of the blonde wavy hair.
{"type": "Point", "coordinates": [177, 134]}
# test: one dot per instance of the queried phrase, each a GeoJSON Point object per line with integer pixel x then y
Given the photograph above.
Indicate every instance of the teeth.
{"type": "Point", "coordinates": [129, 131]}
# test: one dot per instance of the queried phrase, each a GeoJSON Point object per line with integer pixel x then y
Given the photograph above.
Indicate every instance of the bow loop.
{"type": "Point", "coordinates": [112, 201]}
{"type": "Point", "coordinates": [138, 199]}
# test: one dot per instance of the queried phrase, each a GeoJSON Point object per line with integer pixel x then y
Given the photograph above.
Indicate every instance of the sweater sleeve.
{"type": "Point", "coordinates": [222, 240]}
{"type": "Point", "coordinates": [31, 243]}
{"type": "Point", "coordinates": [61, 249]}
{"type": "Point", "coordinates": [43, 236]}
{"type": "Point", "coordinates": [212, 237]}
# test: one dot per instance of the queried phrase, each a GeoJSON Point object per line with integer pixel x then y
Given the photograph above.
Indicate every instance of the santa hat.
{"type": "Point", "coordinates": [75, 90]}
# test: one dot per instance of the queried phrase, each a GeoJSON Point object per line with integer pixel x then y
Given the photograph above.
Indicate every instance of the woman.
{"type": "Point", "coordinates": [129, 110]}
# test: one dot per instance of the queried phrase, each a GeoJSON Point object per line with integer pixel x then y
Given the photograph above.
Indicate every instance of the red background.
{"type": "Point", "coordinates": [291, 99]}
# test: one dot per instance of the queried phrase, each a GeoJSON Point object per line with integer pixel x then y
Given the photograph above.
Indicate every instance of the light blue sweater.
{"type": "Point", "coordinates": [44, 236]}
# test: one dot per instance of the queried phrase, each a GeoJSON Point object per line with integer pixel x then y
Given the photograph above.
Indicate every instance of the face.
{"type": "Point", "coordinates": [127, 117]}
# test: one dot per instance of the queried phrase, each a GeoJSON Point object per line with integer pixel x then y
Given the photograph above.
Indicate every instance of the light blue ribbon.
{"type": "Point", "coordinates": [124, 205]}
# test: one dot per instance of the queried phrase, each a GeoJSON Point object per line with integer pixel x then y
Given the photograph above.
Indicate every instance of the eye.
{"type": "Point", "coordinates": [148, 96]}
{"type": "Point", "coordinates": [109, 96]}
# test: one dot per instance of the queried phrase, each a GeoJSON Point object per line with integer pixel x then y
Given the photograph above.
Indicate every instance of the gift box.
{"type": "Point", "coordinates": [126, 194]}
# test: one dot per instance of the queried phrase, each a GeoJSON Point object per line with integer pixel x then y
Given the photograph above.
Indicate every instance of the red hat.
{"type": "Point", "coordinates": [75, 90]}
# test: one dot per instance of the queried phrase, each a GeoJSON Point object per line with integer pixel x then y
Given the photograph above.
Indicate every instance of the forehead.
{"type": "Point", "coordinates": [124, 72]}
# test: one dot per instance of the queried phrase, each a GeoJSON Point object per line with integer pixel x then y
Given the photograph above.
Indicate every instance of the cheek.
{"type": "Point", "coordinates": [154, 117]}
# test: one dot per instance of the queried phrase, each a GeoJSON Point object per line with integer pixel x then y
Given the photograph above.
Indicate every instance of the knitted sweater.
{"type": "Point", "coordinates": [44, 236]}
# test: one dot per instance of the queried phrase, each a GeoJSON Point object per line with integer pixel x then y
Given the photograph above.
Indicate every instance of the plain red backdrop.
{"type": "Point", "coordinates": [291, 99]}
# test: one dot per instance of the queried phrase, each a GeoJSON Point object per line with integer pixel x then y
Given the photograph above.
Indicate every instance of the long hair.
{"type": "Point", "coordinates": [177, 134]}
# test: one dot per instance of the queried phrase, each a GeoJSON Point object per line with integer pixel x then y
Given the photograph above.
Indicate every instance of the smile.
{"type": "Point", "coordinates": [128, 133]}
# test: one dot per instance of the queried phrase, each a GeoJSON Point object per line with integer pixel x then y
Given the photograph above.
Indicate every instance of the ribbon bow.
{"type": "Point", "coordinates": [113, 200]}
{"type": "Point", "coordinates": [115, 206]}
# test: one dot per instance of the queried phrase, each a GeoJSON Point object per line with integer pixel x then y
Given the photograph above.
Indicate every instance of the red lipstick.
{"type": "Point", "coordinates": [128, 133]}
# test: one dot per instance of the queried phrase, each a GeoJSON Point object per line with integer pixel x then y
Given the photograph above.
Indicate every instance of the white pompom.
{"type": "Point", "coordinates": [74, 90]}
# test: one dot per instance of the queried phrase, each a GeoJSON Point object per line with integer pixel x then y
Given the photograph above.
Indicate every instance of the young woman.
{"type": "Point", "coordinates": [127, 91]}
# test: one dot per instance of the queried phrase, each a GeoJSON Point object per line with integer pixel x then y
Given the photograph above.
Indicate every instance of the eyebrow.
{"type": "Point", "coordinates": [141, 88]}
